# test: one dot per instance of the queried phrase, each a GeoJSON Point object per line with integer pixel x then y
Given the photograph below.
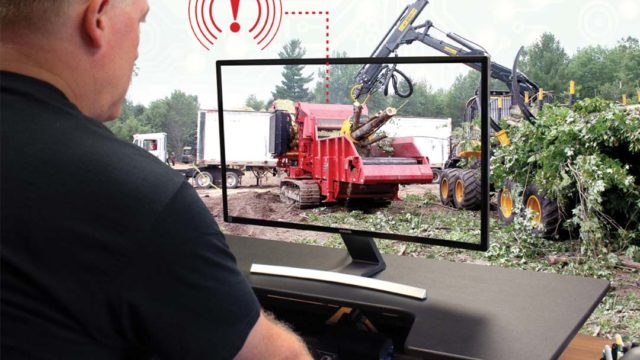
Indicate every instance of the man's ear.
{"type": "Point", "coordinates": [94, 21]}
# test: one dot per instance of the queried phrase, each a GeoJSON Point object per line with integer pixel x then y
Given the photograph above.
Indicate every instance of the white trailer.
{"type": "Point", "coordinates": [246, 137]}
{"type": "Point", "coordinates": [432, 136]}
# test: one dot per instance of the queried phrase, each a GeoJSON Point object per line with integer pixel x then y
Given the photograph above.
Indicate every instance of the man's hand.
{"type": "Point", "coordinates": [269, 339]}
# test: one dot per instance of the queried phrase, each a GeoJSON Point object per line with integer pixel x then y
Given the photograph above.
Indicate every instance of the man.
{"type": "Point", "coordinates": [92, 268]}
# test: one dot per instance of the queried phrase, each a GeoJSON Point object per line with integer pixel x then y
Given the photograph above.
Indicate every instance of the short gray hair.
{"type": "Point", "coordinates": [31, 13]}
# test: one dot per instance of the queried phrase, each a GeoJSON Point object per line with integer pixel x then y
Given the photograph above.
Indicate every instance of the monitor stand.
{"type": "Point", "coordinates": [365, 257]}
{"type": "Point", "coordinates": [366, 261]}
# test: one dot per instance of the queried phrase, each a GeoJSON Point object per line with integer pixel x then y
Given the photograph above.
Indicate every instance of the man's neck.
{"type": "Point", "coordinates": [41, 64]}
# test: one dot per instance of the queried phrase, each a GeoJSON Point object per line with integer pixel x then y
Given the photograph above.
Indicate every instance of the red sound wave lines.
{"type": "Point", "coordinates": [277, 29]}
{"type": "Point", "coordinates": [193, 30]}
{"type": "Point", "coordinates": [211, 16]}
{"type": "Point", "coordinates": [204, 21]}
{"type": "Point", "coordinates": [198, 23]}
{"type": "Point", "coordinates": [257, 18]}
{"type": "Point", "coordinates": [206, 30]}
{"type": "Point", "coordinates": [273, 20]}
{"type": "Point", "coordinates": [265, 21]}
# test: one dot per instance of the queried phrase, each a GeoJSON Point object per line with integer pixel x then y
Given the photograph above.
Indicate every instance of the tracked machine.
{"type": "Point", "coordinates": [330, 153]}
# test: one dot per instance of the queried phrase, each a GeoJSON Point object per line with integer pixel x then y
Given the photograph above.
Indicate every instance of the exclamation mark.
{"type": "Point", "coordinates": [235, 4]}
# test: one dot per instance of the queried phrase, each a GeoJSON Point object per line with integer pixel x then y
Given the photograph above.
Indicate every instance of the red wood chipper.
{"type": "Point", "coordinates": [329, 154]}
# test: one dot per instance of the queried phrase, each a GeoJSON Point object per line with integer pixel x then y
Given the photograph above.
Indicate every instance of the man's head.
{"type": "Point", "coordinates": [87, 48]}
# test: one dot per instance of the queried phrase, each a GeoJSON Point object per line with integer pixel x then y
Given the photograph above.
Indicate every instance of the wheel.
{"type": "Point", "coordinates": [204, 179]}
{"type": "Point", "coordinates": [233, 180]}
{"type": "Point", "coordinates": [466, 194]}
{"type": "Point", "coordinates": [546, 212]}
{"type": "Point", "coordinates": [447, 180]}
{"type": "Point", "coordinates": [506, 212]}
{"type": "Point", "coordinates": [437, 175]}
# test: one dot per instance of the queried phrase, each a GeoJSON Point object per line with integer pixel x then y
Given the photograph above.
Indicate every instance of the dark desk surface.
{"type": "Point", "coordinates": [472, 311]}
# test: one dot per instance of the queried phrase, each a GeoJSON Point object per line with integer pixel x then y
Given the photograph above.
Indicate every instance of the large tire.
{"type": "Point", "coordinates": [467, 191]}
{"type": "Point", "coordinates": [447, 181]}
{"type": "Point", "coordinates": [233, 180]}
{"type": "Point", "coordinates": [204, 179]}
{"type": "Point", "coordinates": [437, 175]}
{"type": "Point", "coordinates": [506, 212]}
{"type": "Point", "coordinates": [546, 212]}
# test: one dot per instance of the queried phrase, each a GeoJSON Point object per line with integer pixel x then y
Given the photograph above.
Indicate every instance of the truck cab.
{"type": "Point", "coordinates": [154, 143]}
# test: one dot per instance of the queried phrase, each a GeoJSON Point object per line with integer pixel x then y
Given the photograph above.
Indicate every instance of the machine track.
{"type": "Point", "coordinates": [300, 192]}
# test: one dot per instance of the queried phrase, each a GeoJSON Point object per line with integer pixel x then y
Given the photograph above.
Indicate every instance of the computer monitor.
{"type": "Point", "coordinates": [362, 169]}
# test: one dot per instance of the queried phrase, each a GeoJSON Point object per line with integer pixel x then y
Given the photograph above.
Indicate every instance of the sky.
{"type": "Point", "coordinates": [172, 56]}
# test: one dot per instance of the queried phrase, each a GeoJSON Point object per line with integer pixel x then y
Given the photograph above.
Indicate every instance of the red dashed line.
{"type": "Point", "coordinates": [326, 41]}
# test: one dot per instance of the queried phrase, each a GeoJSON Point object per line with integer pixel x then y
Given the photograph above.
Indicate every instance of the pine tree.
{"type": "Point", "coordinates": [546, 63]}
{"type": "Point", "coordinates": [293, 84]}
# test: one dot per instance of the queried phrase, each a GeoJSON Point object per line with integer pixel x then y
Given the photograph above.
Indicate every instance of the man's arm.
{"type": "Point", "coordinates": [270, 339]}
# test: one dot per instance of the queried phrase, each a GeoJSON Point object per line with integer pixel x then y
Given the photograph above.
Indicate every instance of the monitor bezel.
{"type": "Point", "coordinates": [483, 61]}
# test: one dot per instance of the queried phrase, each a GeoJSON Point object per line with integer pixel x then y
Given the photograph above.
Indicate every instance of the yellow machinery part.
{"type": "Point", "coordinates": [470, 154]}
{"type": "Point", "coordinates": [506, 203]}
{"type": "Point", "coordinates": [459, 191]}
{"type": "Point", "coordinates": [407, 20]}
{"type": "Point", "coordinates": [444, 188]}
{"type": "Point", "coordinates": [346, 130]}
{"type": "Point", "coordinates": [503, 138]}
{"type": "Point", "coordinates": [533, 203]}
{"type": "Point", "coordinates": [352, 93]}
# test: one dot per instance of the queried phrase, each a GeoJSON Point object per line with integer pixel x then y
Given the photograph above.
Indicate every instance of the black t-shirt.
{"type": "Point", "coordinates": [106, 252]}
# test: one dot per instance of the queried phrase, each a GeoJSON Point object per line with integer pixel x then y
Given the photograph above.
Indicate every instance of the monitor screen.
{"type": "Point", "coordinates": [356, 146]}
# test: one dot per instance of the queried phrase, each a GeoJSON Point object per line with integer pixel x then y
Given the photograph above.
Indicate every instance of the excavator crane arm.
{"type": "Point", "coordinates": [374, 76]}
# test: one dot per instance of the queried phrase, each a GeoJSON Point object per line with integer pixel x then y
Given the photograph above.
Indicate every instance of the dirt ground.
{"type": "Point", "coordinates": [263, 202]}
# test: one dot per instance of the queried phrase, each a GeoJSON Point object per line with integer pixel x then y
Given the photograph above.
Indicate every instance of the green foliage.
{"type": "Point", "coordinates": [545, 62]}
{"type": "Point", "coordinates": [616, 311]}
{"type": "Point", "coordinates": [125, 128]}
{"type": "Point", "coordinates": [293, 84]}
{"type": "Point", "coordinates": [414, 215]}
{"type": "Point", "coordinates": [342, 79]}
{"type": "Point", "coordinates": [129, 122]}
{"type": "Point", "coordinates": [607, 73]}
{"type": "Point", "coordinates": [255, 104]}
{"type": "Point", "coordinates": [586, 159]}
{"type": "Point", "coordinates": [175, 115]}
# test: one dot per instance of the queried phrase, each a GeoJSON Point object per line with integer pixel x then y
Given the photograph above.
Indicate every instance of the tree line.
{"type": "Point", "coordinates": [598, 72]}
{"type": "Point", "coordinates": [175, 115]}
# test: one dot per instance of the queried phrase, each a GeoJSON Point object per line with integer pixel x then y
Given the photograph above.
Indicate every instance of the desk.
{"type": "Point", "coordinates": [472, 311]}
{"type": "Point", "coordinates": [585, 347]}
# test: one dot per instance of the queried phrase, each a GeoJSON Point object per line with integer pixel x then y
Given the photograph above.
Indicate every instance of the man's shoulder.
{"type": "Point", "coordinates": [129, 171]}
{"type": "Point", "coordinates": [65, 147]}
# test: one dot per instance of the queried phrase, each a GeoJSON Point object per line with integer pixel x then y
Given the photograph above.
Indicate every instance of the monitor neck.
{"type": "Point", "coordinates": [365, 257]}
